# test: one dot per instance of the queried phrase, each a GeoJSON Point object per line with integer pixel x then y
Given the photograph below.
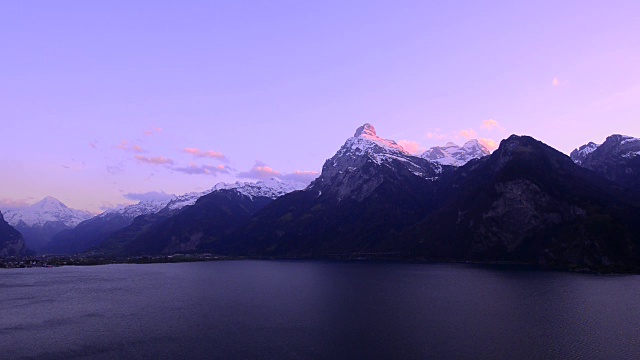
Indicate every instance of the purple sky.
{"type": "Point", "coordinates": [99, 99]}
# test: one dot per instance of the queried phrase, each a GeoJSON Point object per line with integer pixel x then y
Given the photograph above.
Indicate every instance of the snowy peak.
{"type": "Point", "coordinates": [580, 154]}
{"type": "Point", "coordinates": [141, 208]}
{"type": "Point", "coordinates": [454, 155]}
{"type": "Point", "coordinates": [272, 188]}
{"type": "Point", "coordinates": [46, 210]}
{"type": "Point", "coordinates": [614, 147]}
{"type": "Point", "coordinates": [366, 142]}
{"type": "Point", "coordinates": [365, 130]}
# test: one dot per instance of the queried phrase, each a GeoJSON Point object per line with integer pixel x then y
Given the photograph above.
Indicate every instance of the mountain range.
{"type": "Point", "coordinates": [525, 202]}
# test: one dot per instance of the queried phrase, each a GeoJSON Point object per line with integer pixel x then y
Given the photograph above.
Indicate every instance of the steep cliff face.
{"type": "Point", "coordinates": [529, 203]}
{"type": "Point", "coordinates": [11, 241]}
{"type": "Point", "coordinates": [617, 159]}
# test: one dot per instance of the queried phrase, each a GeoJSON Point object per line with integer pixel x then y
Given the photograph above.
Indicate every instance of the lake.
{"type": "Point", "coordinates": [316, 310]}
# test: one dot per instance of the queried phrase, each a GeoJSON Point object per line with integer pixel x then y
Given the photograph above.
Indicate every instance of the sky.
{"type": "Point", "coordinates": [104, 103]}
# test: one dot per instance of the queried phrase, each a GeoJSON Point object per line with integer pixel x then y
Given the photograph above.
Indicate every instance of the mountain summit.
{"type": "Point", "coordinates": [40, 222]}
{"type": "Point", "coordinates": [452, 154]}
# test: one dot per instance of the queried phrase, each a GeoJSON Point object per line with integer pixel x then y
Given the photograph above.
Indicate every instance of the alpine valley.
{"type": "Point", "coordinates": [524, 203]}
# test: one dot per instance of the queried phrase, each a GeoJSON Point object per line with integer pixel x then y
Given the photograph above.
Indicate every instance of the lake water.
{"type": "Point", "coordinates": [316, 310]}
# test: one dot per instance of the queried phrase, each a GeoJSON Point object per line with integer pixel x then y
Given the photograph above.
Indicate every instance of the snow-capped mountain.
{"type": "Point", "coordinates": [617, 159]}
{"type": "Point", "coordinates": [40, 222]}
{"type": "Point", "coordinates": [271, 188]}
{"type": "Point", "coordinates": [217, 211]}
{"type": "Point", "coordinates": [46, 210]}
{"type": "Point", "coordinates": [580, 154]}
{"type": "Point", "coordinates": [358, 166]}
{"type": "Point", "coordinates": [366, 145]}
{"type": "Point", "coordinates": [141, 208]}
{"type": "Point", "coordinates": [454, 155]}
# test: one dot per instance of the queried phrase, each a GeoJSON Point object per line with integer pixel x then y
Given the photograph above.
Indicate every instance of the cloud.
{"type": "Point", "coordinates": [193, 169]}
{"type": "Point", "coordinates": [124, 145]}
{"type": "Point", "coordinates": [159, 160]}
{"type": "Point", "coordinates": [260, 171]}
{"type": "Point", "coordinates": [491, 124]}
{"type": "Point", "coordinates": [108, 206]}
{"type": "Point", "coordinates": [205, 154]}
{"type": "Point", "coordinates": [149, 196]}
{"type": "Point", "coordinates": [10, 204]}
{"type": "Point", "coordinates": [490, 144]}
{"type": "Point", "coordinates": [557, 82]}
{"type": "Point", "coordinates": [153, 130]}
{"type": "Point", "coordinates": [411, 147]}
{"type": "Point", "coordinates": [301, 176]}
{"type": "Point", "coordinates": [468, 134]}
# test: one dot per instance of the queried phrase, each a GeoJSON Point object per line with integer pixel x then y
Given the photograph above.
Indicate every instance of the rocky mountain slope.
{"type": "Point", "coordinates": [196, 227]}
{"type": "Point", "coordinates": [370, 189]}
{"type": "Point", "coordinates": [11, 241]}
{"type": "Point", "coordinates": [529, 203]}
{"type": "Point", "coordinates": [617, 159]}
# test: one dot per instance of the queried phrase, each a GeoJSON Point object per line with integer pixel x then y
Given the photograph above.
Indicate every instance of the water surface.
{"type": "Point", "coordinates": [316, 310]}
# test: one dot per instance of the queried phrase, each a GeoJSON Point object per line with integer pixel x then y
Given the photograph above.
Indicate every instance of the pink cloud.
{"type": "Point", "coordinates": [555, 82]}
{"type": "Point", "coordinates": [491, 124]}
{"type": "Point", "coordinates": [490, 144]}
{"type": "Point", "coordinates": [124, 145]}
{"type": "Point", "coordinates": [159, 160]}
{"type": "Point", "coordinates": [205, 154]}
{"type": "Point", "coordinates": [260, 171]}
{"type": "Point", "coordinates": [193, 169]}
{"type": "Point", "coordinates": [468, 134]}
{"type": "Point", "coordinates": [411, 147]}
{"type": "Point", "coordinates": [152, 131]}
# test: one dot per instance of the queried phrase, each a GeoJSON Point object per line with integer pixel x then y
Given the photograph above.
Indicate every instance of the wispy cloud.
{"type": "Point", "coordinates": [193, 169]}
{"type": "Point", "coordinates": [301, 176]}
{"type": "Point", "coordinates": [153, 130]}
{"type": "Point", "coordinates": [491, 124]}
{"type": "Point", "coordinates": [411, 146]}
{"type": "Point", "coordinates": [149, 196]}
{"type": "Point", "coordinates": [259, 171]}
{"type": "Point", "coordinates": [159, 160]}
{"type": "Point", "coordinates": [205, 154]}
{"type": "Point", "coordinates": [6, 203]}
{"type": "Point", "coordinates": [124, 145]}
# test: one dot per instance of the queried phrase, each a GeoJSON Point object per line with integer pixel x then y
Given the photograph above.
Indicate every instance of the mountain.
{"type": "Point", "coordinates": [92, 232]}
{"type": "Point", "coordinates": [11, 241]}
{"type": "Point", "coordinates": [39, 222]}
{"type": "Point", "coordinates": [580, 154]}
{"type": "Point", "coordinates": [617, 159]}
{"type": "Point", "coordinates": [452, 154]}
{"type": "Point", "coordinates": [529, 203]}
{"type": "Point", "coordinates": [369, 190]}
{"type": "Point", "coordinates": [199, 226]}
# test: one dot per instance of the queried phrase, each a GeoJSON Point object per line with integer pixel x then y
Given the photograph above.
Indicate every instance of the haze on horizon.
{"type": "Point", "coordinates": [103, 103]}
